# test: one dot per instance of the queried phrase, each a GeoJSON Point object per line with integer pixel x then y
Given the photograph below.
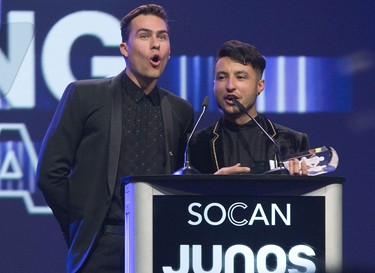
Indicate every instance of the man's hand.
{"type": "Point", "coordinates": [296, 169]}
{"type": "Point", "coordinates": [235, 169]}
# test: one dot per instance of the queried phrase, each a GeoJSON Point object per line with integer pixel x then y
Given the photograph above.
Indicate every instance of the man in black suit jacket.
{"type": "Point", "coordinates": [235, 144]}
{"type": "Point", "coordinates": [108, 128]}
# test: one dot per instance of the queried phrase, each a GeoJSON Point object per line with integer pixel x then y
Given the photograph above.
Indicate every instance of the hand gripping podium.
{"type": "Point", "coordinates": [232, 223]}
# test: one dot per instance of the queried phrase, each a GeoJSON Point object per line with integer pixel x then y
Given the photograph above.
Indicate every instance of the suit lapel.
{"type": "Point", "coordinates": [217, 146]}
{"type": "Point", "coordinates": [271, 131]}
{"type": "Point", "coordinates": [115, 131]}
{"type": "Point", "coordinates": [167, 114]}
{"type": "Point", "coordinates": [270, 128]}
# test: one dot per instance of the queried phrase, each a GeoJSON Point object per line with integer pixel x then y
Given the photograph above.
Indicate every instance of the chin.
{"type": "Point", "coordinates": [154, 74]}
{"type": "Point", "coordinates": [230, 109]}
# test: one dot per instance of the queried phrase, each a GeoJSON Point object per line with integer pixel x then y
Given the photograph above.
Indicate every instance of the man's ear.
{"type": "Point", "coordinates": [260, 86]}
{"type": "Point", "coordinates": [124, 49]}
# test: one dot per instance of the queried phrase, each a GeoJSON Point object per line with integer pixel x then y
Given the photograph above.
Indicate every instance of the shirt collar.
{"type": "Point", "coordinates": [235, 127]}
{"type": "Point", "coordinates": [136, 93]}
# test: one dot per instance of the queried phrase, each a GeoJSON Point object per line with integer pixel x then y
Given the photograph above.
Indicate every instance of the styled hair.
{"type": "Point", "coordinates": [149, 9]}
{"type": "Point", "coordinates": [242, 53]}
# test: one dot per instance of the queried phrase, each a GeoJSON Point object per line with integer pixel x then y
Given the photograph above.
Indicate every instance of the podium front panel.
{"type": "Point", "coordinates": [232, 224]}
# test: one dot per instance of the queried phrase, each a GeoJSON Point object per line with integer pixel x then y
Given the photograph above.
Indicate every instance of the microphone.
{"type": "Point", "coordinates": [280, 168]}
{"type": "Point", "coordinates": [188, 169]}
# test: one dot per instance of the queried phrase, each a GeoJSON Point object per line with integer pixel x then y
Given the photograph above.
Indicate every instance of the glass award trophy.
{"type": "Point", "coordinates": [319, 160]}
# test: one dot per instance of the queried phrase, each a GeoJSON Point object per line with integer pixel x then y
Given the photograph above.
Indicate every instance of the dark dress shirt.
{"type": "Point", "coordinates": [243, 143]}
{"type": "Point", "coordinates": [143, 140]}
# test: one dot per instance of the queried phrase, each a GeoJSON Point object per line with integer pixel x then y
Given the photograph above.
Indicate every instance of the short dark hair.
{"type": "Point", "coordinates": [149, 9]}
{"type": "Point", "coordinates": [243, 53]}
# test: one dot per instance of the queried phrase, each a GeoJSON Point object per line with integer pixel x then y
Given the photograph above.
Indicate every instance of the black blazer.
{"type": "Point", "coordinates": [206, 146]}
{"type": "Point", "coordinates": [79, 156]}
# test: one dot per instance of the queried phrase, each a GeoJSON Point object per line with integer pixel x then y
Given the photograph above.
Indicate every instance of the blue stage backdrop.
{"type": "Point", "coordinates": [319, 80]}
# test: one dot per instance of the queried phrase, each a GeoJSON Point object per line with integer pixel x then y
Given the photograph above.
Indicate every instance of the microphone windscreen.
{"type": "Point", "coordinates": [239, 105]}
{"type": "Point", "coordinates": [205, 102]}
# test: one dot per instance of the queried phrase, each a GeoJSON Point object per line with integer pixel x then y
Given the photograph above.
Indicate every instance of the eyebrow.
{"type": "Point", "coordinates": [235, 73]}
{"type": "Point", "coordinates": [150, 31]}
{"type": "Point", "coordinates": [221, 73]}
{"type": "Point", "coordinates": [241, 72]}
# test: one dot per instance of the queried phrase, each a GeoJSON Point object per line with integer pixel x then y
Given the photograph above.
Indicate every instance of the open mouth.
{"type": "Point", "coordinates": [155, 60]}
{"type": "Point", "coordinates": [229, 99]}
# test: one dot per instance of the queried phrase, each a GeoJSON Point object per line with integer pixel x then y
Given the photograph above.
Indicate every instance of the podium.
{"type": "Point", "coordinates": [232, 223]}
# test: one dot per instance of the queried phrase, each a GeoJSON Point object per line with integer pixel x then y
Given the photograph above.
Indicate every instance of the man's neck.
{"type": "Point", "coordinates": [147, 85]}
{"type": "Point", "coordinates": [241, 118]}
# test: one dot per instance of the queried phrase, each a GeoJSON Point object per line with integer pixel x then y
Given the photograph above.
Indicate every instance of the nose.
{"type": "Point", "coordinates": [155, 43]}
{"type": "Point", "coordinates": [229, 85]}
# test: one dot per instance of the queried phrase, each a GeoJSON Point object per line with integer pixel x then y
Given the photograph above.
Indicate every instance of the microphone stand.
{"type": "Point", "coordinates": [187, 168]}
{"type": "Point", "coordinates": [280, 168]}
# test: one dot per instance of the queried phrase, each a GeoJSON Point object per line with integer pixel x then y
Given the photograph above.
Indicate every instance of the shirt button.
{"type": "Point", "coordinates": [170, 153]}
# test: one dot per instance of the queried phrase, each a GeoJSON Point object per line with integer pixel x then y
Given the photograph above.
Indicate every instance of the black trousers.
{"type": "Point", "coordinates": [107, 255]}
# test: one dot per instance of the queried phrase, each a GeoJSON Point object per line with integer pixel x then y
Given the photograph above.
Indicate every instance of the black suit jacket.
{"type": "Point", "coordinates": [79, 157]}
{"type": "Point", "coordinates": [206, 146]}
